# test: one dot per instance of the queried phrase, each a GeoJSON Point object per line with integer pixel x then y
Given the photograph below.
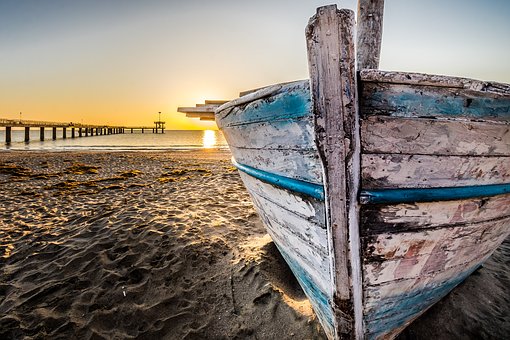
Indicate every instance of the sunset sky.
{"type": "Point", "coordinates": [120, 62]}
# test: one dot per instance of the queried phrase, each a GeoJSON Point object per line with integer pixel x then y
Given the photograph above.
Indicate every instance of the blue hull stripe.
{"type": "Point", "coordinates": [314, 190]}
{"type": "Point", "coordinates": [381, 196]}
{"type": "Point", "coordinates": [387, 196]}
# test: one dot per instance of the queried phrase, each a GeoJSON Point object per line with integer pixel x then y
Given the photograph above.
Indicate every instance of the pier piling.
{"type": "Point", "coordinates": [41, 133]}
{"type": "Point", "coordinates": [54, 133]}
{"type": "Point", "coordinates": [64, 136]}
{"type": "Point", "coordinates": [73, 135]}
{"type": "Point", "coordinates": [27, 134]}
{"type": "Point", "coordinates": [7, 135]}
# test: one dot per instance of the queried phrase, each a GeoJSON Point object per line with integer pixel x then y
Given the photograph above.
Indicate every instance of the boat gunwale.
{"type": "Point", "coordinates": [261, 93]}
{"type": "Point", "coordinates": [387, 77]}
{"type": "Point", "coordinates": [434, 80]}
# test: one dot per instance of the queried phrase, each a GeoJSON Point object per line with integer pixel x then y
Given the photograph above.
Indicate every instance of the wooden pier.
{"type": "Point", "coordinates": [77, 129]}
{"type": "Point", "coordinates": [203, 111]}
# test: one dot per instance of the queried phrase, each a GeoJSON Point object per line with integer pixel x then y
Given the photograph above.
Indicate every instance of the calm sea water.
{"type": "Point", "coordinates": [171, 139]}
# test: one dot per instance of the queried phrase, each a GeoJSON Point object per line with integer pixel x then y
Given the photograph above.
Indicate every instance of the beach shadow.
{"type": "Point", "coordinates": [279, 273]}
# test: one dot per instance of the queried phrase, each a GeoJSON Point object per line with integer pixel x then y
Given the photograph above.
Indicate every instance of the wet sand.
{"type": "Point", "coordinates": [168, 246]}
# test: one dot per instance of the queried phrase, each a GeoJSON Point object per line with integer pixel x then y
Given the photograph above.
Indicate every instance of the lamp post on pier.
{"type": "Point", "coordinates": [159, 124]}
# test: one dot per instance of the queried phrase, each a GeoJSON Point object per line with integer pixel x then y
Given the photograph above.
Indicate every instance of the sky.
{"type": "Point", "coordinates": [120, 62]}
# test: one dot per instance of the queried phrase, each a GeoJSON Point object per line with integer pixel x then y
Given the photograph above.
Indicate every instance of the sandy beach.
{"type": "Point", "coordinates": [97, 245]}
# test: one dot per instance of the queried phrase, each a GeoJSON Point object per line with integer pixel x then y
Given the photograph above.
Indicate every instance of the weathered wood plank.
{"type": "Point", "coordinates": [403, 217]}
{"type": "Point", "coordinates": [397, 297]}
{"type": "Point", "coordinates": [294, 134]}
{"type": "Point", "coordinates": [434, 137]}
{"type": "Point", "coordinates": [369, 34]}
{"type": "Point", "coordinates": [411, 255]}
{"type": "Point", "coordinates": [316, 266]}
{"type": "Point", "coordinates": [200, 115]}
{"type": "Point", "coordinates": [307, 257]}
{"type": "Point", "coordinates": [273, 102]}
{"type": "Point", "coordinates": [376, 296]}
{"type": "Point", "coordinates": [407, 245]}
{"type": "Point", "coordinates": [310, 229]}
{"type": "Point", "coordinates": [333, 88]}
{"type": "Point", "coordinates": [385, 314]}
{"type": "Point", "coordinates": [296, 164]}
{"type": "Point", "coordinates": [409, 78]}
{"type": "Point", "coordinates": [424, 171]}
{"type": "Point", "coordinates": [404, 100]}
{"type": "Point", "coordinates": [394, 270]}
{"type": "Point", "coordinates": [306, 207]}
{"type": "Point", "coordinates": [198, 109]}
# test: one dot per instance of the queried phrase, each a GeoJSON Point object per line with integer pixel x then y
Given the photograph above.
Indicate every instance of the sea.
{"type": "Point", "coordinates": [136, 141]}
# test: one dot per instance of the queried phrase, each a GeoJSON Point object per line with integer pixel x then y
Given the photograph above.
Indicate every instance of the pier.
{"type": "Point", "coordinates": [76, 129]}
{"type": "Point", "coordinates": [203, 111]}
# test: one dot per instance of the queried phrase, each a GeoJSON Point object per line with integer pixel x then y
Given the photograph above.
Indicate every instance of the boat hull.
{"type": "Point", "coordinates": [434, 199]}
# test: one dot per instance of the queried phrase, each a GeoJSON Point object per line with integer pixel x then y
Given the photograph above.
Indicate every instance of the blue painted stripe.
{"type": "Point", "coordinates": [314, 190]}
{"type": "Point", "coordinates": [381, 196]}
{"type": "Point", "coordinates": [407, 195]}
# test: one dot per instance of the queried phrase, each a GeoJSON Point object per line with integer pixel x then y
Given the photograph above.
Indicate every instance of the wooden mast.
{"type": "Point", "coordinates": [369, 28]}
{"type": "Point", "coordinates": [331, 58]}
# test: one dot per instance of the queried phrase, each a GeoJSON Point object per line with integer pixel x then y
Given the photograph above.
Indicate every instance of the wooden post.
{"type": "Point", "coordinates": [142, 130]}
{"type": "Point", "coordinates": [370, 22]}
{"type": "Point", "coordinates": [41, 133]}
{"type": "Point", "coordinates": [131, 130]}
{"type": "Point", "coordinates": [27, 134]}
{"type": "Point", "coordinates": [64, 134]}
{"type": "Point", "coordinates": [79, 132]}
{"type": "Point", "coordinates": [54, 133]}
{"type": "Point", "coordinates": [73, 134]}
{"type": "Point", "coordinates": [86, 132]}
{"type": "Point", "coordinates": [8, 135]}
{"type": "Point", "coordinates": [331, 58]}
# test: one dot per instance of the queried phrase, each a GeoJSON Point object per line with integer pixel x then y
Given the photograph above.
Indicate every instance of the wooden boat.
{"type": "Point", "coordinates": [382, 190]}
